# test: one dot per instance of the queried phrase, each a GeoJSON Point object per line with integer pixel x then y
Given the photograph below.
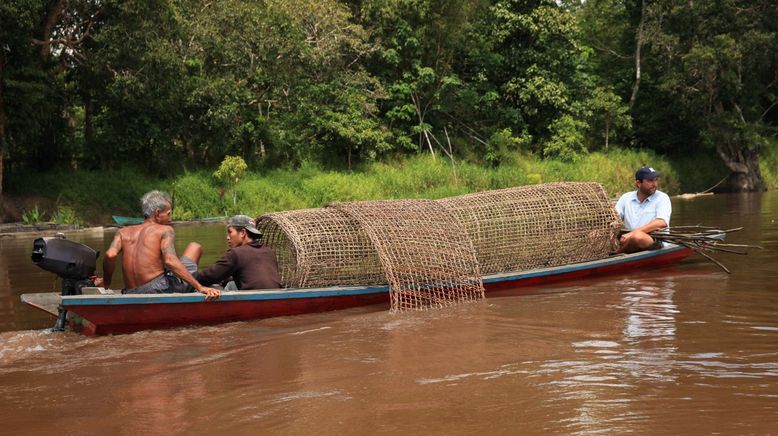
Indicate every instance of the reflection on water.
{"type": "Point", "coordinates": [685, 349]}
{"type": "Point", "coordinates": [651, 313]}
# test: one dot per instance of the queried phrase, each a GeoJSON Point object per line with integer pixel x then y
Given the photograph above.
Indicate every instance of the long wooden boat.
{"type": "Point", "coordinates": [103, 312]}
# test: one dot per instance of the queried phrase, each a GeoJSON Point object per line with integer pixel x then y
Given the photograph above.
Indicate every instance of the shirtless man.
{"type": "Point", "coordinates": [149, 252]}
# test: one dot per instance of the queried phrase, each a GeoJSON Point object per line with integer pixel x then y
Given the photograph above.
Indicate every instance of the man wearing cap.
{"type": "Point", "coordinates": [643, 211]}
{"type": "Point", "coordinates": [250, 264]}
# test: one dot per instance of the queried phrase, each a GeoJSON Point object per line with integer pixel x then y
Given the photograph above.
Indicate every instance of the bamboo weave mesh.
{"type": "Point", "coordinates": [320, 247]}
{"type": "Point", "coordinates": [427, 256]}
{"type": "Point", "coordinates": [433, 253]}
{"type": "Point", "coordinates": [539, 225]}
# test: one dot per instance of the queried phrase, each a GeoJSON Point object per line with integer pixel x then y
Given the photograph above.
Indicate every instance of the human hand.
{"type": "Point", "coordinates": [210, 293]}
{"type": "Point", "coordinates": [99, 282]}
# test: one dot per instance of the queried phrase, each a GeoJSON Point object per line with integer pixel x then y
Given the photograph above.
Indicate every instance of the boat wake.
{"type": "Point", "coordinates": [22, 345]}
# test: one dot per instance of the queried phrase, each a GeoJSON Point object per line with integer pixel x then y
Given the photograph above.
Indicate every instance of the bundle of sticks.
{"type": "Point", "coordinates": [702, 240]}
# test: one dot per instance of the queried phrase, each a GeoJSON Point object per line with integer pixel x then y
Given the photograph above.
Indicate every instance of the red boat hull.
{"type": "Point", "coordinates": [114, 314]}
{"type": "Point", "coordinates": [128, 319]}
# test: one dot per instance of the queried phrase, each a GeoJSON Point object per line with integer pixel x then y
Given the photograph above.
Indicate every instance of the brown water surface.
{"type": "Point", "coordinates": [686, 349]}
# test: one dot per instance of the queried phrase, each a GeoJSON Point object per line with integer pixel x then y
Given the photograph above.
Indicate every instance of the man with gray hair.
{"type": "Point", "coordinates": [149, 261]}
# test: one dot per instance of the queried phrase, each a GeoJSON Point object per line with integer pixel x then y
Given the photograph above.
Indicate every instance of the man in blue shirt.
{"type": "Point", "coordinates": [643, 211]}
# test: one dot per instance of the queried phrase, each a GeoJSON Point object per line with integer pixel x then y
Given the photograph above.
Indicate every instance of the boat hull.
{"type": "Point", "coordinates": [115, 314]}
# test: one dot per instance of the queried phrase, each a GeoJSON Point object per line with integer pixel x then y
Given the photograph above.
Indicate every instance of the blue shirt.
{"type": "Point", "coordinates": [636, 214]}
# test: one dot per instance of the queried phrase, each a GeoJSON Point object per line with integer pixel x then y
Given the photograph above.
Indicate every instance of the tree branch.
{"type": "Point", "coordinates": [48, 28]}
{"type": "Point", "coordinates": [768, 110]}
{"type": "Point", "coordinates": [638, 47]}
{"type": "Point", "coordinates": [598, 46]}
{"type": "Point", "coordinates": [731, 164]}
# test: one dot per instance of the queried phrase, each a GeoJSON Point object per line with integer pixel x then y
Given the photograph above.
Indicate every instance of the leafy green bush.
{"type": "Point", "coordinates": [195, 197]}
{"type": "Point", "coordinates": [567, 139]}
{"type": "Point", "coordinates": [33, 216]}
{"type": "Point", "coordinates": [66, 215]}
{"type": "Point", "coordinates": [768, 164]}
{"type": "Point", "coordinates": [227, 177]}
{"type": "Point", "coordinates": [503, 145]}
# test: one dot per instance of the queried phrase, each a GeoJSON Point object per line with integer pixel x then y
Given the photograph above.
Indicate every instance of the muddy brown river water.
{"type": "Point", "coordinates": [687, 349]}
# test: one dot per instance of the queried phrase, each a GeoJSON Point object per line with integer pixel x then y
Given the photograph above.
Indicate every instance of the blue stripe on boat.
{"type": "Point", "coordinates": [194, 297]}
{"type": "Point", "coordinates": [557, 270]}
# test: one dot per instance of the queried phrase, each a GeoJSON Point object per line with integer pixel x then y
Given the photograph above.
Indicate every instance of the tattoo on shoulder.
{"type": "Point", "coordinates": [167, 242]}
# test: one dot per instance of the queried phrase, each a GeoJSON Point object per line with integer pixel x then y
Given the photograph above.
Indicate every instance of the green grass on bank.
{"type": "Point", "coordinates": [95, 196]}
{"type": "Point", "coordinates": [768, 165]}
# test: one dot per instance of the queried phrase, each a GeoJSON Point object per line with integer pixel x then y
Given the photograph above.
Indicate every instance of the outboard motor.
{"type": "Point", "coordinates": [74, 263]}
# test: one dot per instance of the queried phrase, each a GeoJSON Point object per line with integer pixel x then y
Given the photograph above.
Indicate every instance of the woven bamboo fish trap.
{"type": "Point", "coordinates": [320, 247]}
{"type": "Point", "coordinates": [536, 226]}
{"type": "Point", "coordinates": [427, 256]}
{"type": "Point", "coordinates": [433, 253]}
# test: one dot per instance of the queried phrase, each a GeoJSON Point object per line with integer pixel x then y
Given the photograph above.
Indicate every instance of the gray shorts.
{"type": "Point", "coordinates": [167, 282]}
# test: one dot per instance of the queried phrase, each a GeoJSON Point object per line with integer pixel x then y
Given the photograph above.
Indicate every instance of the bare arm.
{"type": "Point", "coordinates": [655, 224]}
{"type": "Point", "coordinates": [639, 239]}
{"type": "Point", "coordinates": [173, 263]}
{"type": "Point", "coordinates": [109, 261]}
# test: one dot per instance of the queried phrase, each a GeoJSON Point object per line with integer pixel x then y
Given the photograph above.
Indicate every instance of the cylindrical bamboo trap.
{"type": "Point", "coordinates": [427, 257]}
{"type": "Point", "coordinates": [539, 225]}
{"type": "Point", "coordinates": [320, 247]}
{"type": "Point", "coordinates": [433, 253]}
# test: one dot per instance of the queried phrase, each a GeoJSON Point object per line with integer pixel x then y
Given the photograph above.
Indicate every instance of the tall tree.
{"type": "Point", "coordinates": [40, 41]}
{"type": "Point", "coordinates": [203, 79]}
{"type": "Point", "coordinates": [720, 59]}
{"type": "Point", "coordinates": [17, 21]}
{"type": "Point", "coordinates": [420, 43]}
{"type": "Point", "coordinates": [541, 72]}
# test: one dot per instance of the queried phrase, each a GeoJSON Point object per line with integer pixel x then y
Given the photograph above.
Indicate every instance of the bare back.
{"type": "Point", "coordinates": [142, 259]}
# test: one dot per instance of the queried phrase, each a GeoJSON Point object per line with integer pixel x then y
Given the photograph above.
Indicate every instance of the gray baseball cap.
{"type": "Point", "coordinates": [244, 222]}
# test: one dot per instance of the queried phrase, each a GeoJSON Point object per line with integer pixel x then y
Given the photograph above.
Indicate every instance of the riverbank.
{"type": "Point", "coordinates": [9, 230]}
{"type": "Point", "coordinates": [95, 196]}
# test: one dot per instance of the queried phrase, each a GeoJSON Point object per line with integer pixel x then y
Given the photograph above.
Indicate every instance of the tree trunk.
{"type": "Point", "coordinates": [48, 28]}
{"type": "Point", "coordinates": [639, 41]}
{"type": "Point", "coordinates": [745, 175]}
{"type": "Point", "coordinates": [739, 158]}
{"type": "Point", "coordinates": [89, 133]}
{"type": "Point", "coordinates": [3, 143]}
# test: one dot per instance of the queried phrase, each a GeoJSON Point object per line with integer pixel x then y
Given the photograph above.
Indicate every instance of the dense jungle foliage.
{"type": "Point", "coordinates": [174, 85]}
